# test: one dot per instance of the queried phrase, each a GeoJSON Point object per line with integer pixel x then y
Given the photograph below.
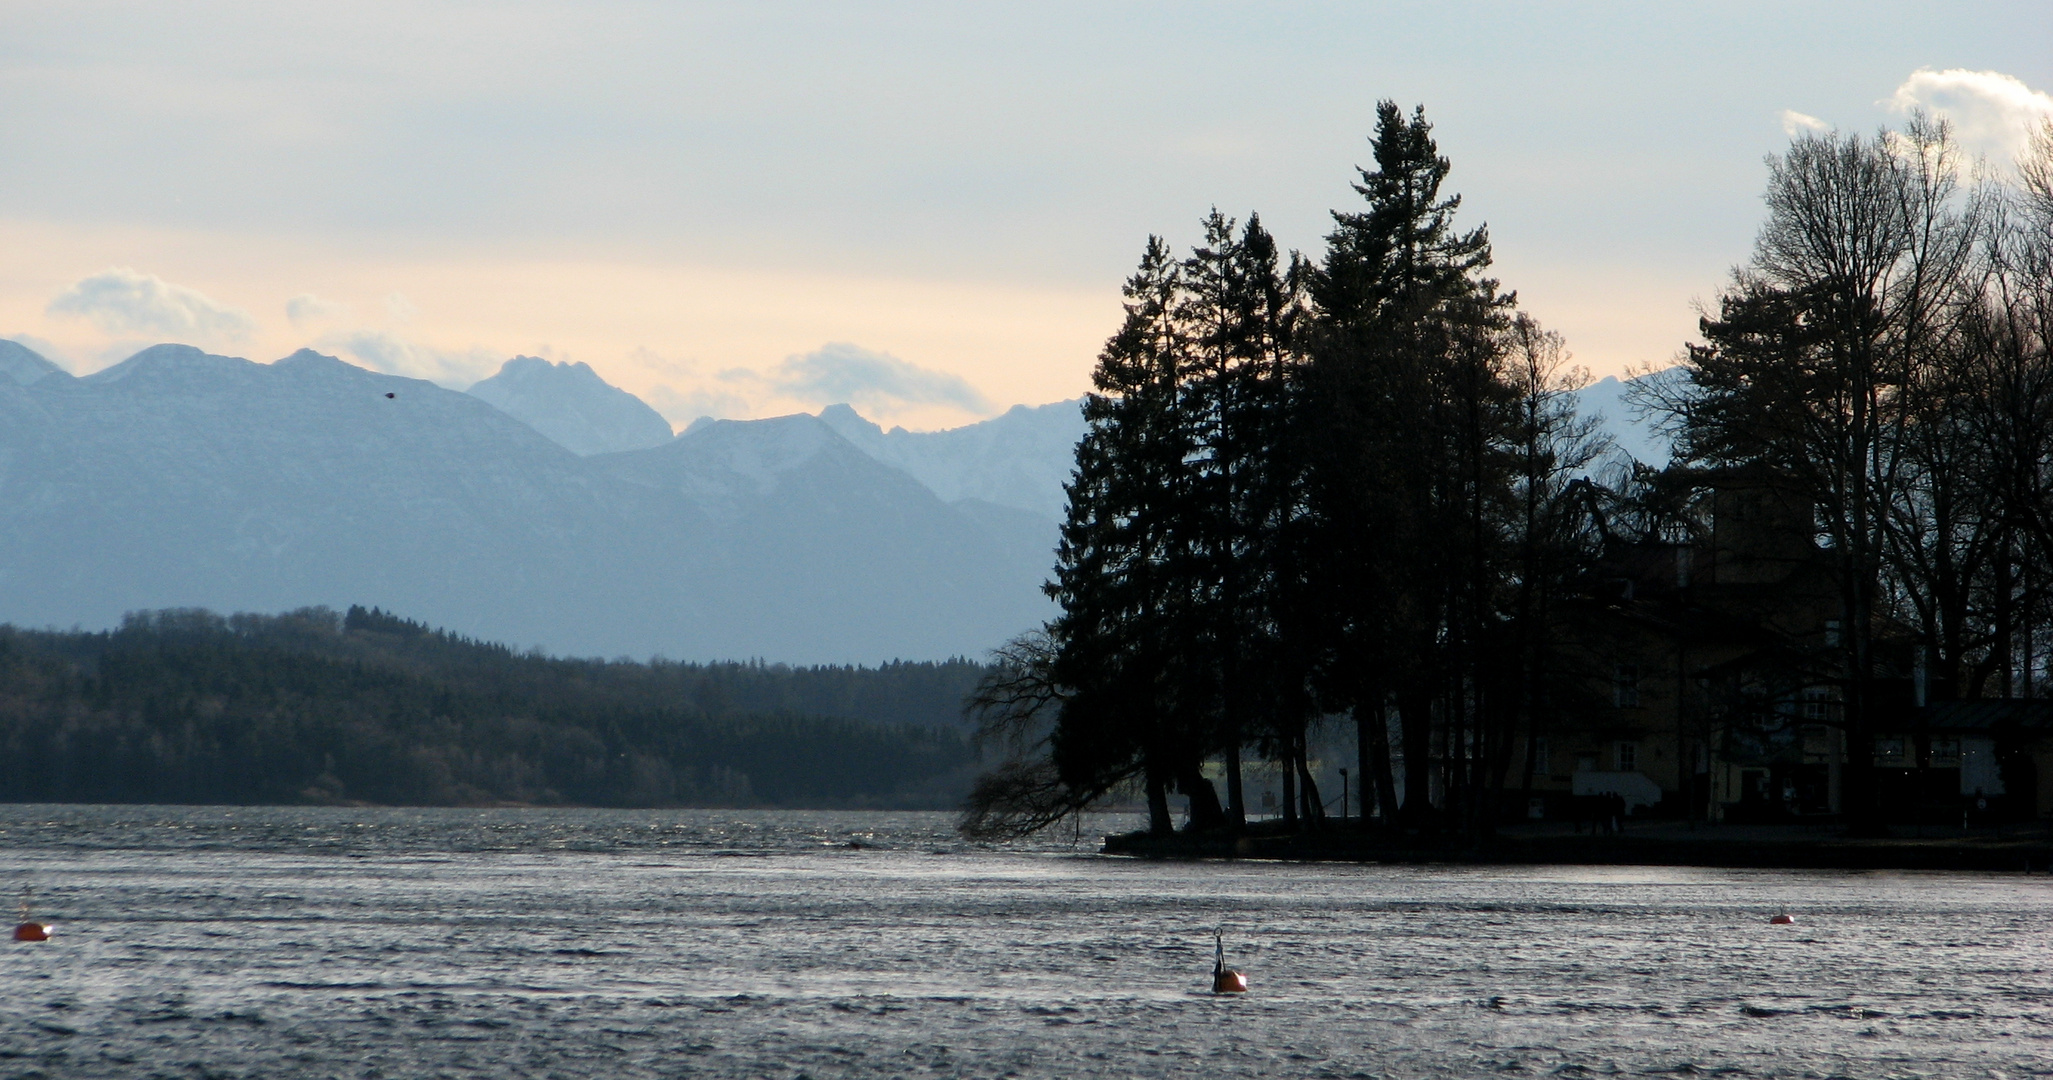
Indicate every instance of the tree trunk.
{"type": "Point", "coordinates": [1236, 792]}
{"type": "Point", "coordinates": [1364, 758]}
{"type": "Point", "coordinates": [1159, 821]}
{"type": "Point", "coordinates": [1205, 812]}
{"type": "Point", "coordinates": [1315, 808]}
{"type": "Point", "coordinates": [1289, 786]}
{"type": "Point", "coordinates": [1379, 746]}
{"type": "Point", "coordinates": [1415, 724]}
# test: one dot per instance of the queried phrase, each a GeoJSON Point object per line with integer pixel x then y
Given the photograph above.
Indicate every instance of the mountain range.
{"type": "Point", "coordinates": [543, 508]}
{"type": "Point", "coordinates": [177, 478]}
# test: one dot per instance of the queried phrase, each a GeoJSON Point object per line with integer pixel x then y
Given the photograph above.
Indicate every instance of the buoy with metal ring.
{"type": "Point", "coordinates": [1225, 980]}
{"type": "Point", "coordinates": [1782, 920]}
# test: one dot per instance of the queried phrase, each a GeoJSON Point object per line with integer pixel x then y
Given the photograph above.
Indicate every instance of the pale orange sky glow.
{"type": "Point", "coordinates": [682, 337]}
{"type": "Point", "coordinates": [925, 209]}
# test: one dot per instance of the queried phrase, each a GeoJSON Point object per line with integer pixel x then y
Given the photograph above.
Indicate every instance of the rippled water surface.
{"type": "Point", "coordinates": [399, 943]}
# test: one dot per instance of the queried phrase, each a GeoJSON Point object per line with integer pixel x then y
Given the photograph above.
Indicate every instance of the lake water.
{"type": "Point", "coordinates": [211, 942]}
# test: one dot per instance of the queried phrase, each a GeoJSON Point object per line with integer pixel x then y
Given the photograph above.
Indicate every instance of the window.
{"type": "Point", "coordinates": [1627, 755]}
{"type": "Point", "coordinates": [1889, 751]}
{"type": "Point", "coordinates": [1832, 631]}
{"type": "Point", "coordinates": [1816, 701]}
{"type": "Point", "coordinates": [1540, 757]}
{"type": "Point", "coordinates": [1625, 690]}
{"type": "Point", "coordinates": [1945, 751]}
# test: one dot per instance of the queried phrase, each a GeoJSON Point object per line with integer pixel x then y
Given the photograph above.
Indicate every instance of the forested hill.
{"type": "Point", "coordinates": [314, 706]}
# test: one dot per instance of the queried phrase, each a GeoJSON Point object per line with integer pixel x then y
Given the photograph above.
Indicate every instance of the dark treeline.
{"type": "Point", "coordinates": [312, 706]}
{"type": "Point", "coordinates": [1353, 486]}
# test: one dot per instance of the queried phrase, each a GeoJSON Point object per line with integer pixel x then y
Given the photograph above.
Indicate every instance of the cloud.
{"type": "Point", "coordinates": [125, 301]}
{"type": "Point", "coordinates": [1991, 113]}
{"type": "Point", "coordinates": [395, 355]}
{"type": "Point", "coordinates": [697, 399]}
{"type": "Point", "coordinates": [307, 308]}
{"type": "Point", "coordinates": [681, 407]}
{"type": "Point", "coordinates": [1795, 123]}
{"type": "Point", "coordinates": [840, 372]}
{"type": "Point", "coordinates": [400, 307]}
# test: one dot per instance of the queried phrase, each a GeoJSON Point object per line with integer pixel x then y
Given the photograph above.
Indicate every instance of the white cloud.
{"type": "Point", "coordinates": [308, 308]}
{"type": "Point", "coordinates": [681, 407]}
{"type": "Point", "coordinates": [395, 355]}
{"type": "Point", "coordinates": [840, 372]}
{"type": "Point", "coordinates": [882, 386]}
{"type": "Point", "coordinates": [125, 301]}
{"type": "Point", "coordinates": [1795, 123]}
{"type": "Point", "coordinates": [697, 398]}
{"type": "Point", "coordinates": [1991, 113]}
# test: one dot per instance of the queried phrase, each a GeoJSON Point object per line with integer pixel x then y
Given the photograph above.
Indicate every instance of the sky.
{"type": "Point", "coordinates": [925, 210]}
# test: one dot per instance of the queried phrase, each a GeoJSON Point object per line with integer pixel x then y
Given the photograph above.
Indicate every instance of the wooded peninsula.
{"type": "Point", "coordinates": [1351, 488]}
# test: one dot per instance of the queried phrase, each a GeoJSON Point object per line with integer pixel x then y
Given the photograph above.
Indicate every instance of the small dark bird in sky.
{"type": "Point", "coordinates": [390, 395]}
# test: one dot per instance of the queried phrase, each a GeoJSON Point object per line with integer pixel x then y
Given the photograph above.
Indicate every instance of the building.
{"type": "Point", "coordinates": [1705, 680]}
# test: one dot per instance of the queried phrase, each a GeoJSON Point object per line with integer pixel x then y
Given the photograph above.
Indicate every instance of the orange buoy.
{"type": "Point", "coordinates": [29, 930]}
{"type": "Point", "coordinates": [1225, 980]}
{"type": "Point", "coordinates": [1782, 920]}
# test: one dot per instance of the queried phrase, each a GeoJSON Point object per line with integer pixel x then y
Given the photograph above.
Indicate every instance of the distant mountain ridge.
{"type": "Point", "coordinates": [178, 478]}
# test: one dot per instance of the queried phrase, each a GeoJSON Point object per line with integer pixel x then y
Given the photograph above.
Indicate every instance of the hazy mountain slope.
{"type": "Point", "coordinates": [180, 478]}
{"type": "Point", "coordinates": [22, 365]}
{"type": "Point", "coordinates": [1027, 539]}
{"type": "Point", "coordinates": [177, 478]}
{"type": "Point", "coordinates": [571, 404]}
{"type": "Point", "coordinates": [1635, 434]}
{"type": "Point", "coordinates": [859, 554]}
{"type": "Point", "coordinates": [1020, 459]}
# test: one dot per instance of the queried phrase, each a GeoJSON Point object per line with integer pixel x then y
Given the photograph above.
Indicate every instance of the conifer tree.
{"type": "Point", "coordinates": [1408, 408]}
{"type": "Point", "coordinates": [1237, 310]}
{"type": "Point", "coordinates": [1129, 638]}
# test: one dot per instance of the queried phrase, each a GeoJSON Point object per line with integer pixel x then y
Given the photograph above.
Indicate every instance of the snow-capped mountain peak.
{"type": "Point", "coordinates": [1019, 459]}
{"type": "Point", "coordinates": [23, 365]}
{"type": "Point", "coordinates": [572, 405]}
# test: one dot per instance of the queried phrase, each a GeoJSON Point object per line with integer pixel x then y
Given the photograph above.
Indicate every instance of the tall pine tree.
{"type": "Point", "coordinates": [1407, 409]}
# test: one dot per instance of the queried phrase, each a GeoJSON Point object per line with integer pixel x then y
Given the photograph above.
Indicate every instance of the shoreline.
{"type": "Point", "coordinates": [1766, 847]}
